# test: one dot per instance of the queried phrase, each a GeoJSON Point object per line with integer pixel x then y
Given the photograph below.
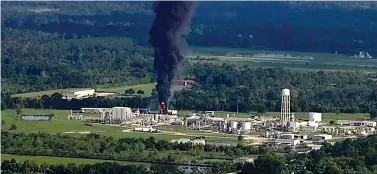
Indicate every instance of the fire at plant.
{"type": "Point", "coordinates": [163, 108]}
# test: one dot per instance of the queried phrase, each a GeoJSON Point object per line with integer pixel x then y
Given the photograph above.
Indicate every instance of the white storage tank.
{"type": "Point", "coordinates": [246, 125]}
{"type": "Point", "coordinates": [286, 92]}
{"type": "Point", "coordinates": [234, 124]}
{"type": "Point", "coordinates": [314, 116]}
{"type": "Point", "coordinates": [116, 113]}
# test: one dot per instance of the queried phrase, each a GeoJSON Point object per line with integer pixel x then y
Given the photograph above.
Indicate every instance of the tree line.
{"type": "Point", "coordinates": [228, 87]}
{"type": "Point", "coordinates": [95, 146]}
{"type": "Point", "coordinates": [348, 156]}
{"type": "Point", "coordinates": [12, 166]}
{"type": "Point", "coordinates": [37, 61]}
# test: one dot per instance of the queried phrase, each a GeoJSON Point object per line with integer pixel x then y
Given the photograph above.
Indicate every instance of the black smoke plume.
{"type": "Point", "coordinates": [166, 35]}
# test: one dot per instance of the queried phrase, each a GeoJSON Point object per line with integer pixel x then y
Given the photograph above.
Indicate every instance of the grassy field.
{"type": "Point", "coordinates": [61, 124]}
{"type": "Point", "coordinates": [147, 88]}
{"type": "Point", "coordinates": [59, 160]}
{"type": "Point", "coordinates": [320, 61]}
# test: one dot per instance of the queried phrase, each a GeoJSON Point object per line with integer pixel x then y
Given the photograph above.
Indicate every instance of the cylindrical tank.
{"type": "Point", "coordinates": [233, 124]}
{"type": "Point", "coordinates": [363, 133]}
{"type": "Point", "coordinates": [286, 92]}
{"type": "Point", "coordinates": [314, 116]}
{"type": "Point", "coordinates": [246, 125]}
{"type": "Point", "coordinates": [116, 113]}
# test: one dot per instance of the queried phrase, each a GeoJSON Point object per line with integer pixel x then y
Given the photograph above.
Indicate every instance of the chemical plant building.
{"type": "Point", "coordinates": [124, 116]}
{"type": "Point", "coordinates": [78, 93]}
{"type": "Point", "coordinates": [276, 132]}
{"type": "Point", "coordinates": [84, 93]}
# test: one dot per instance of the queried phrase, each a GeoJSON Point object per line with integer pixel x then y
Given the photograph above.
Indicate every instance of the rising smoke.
{"type": "Point", "coordinates": [171, 22]}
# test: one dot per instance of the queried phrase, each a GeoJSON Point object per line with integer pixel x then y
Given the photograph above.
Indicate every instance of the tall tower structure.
{"type": "Point", "coordinates": [285, 112]}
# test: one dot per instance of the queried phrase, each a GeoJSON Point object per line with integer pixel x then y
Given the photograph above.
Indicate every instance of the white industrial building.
{"type": "Point", "coordinates": [322, 137]}
{"type": "Point", "coordinates": [315, 117]}
{"type": "Point", "coordinates": [36, 117]}
{"type": "Point", "coordinates": [246, 126]}
{"type": "Point", "coordinates": [288, 142]}
{"type": "Point", "coordinates": [308, 129]}
{"type": "Point", "coordinates": [314, 146]}
{"type": "Point", "coordinates": [356, 123]}
{"type": "Point", "coordinates": [234, 125]}
{"type": "Point", "coordinates": [173, 112]}
{"type": "Point", "coordinates": [78, 93]}
{"type": "Point", "coordinates": [144, 129]}
{"type": "Point", "coordinates": [243, 160]}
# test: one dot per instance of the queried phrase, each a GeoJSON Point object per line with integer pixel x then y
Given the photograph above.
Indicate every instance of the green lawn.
{"type": "Point", "coordinates": [59, 160]}
{"type": "Point", "coordinates": [61, 124]}
{"type": "Point", "coordinates": [147, 88]}
{"type": "Point", "coordinates": [39, 93]}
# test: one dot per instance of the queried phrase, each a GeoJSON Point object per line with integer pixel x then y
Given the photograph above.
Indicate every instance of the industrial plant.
{"type": "Point", "coordinates": [278, 132]}
{"type": "Point", "coordinates": [125, 116]}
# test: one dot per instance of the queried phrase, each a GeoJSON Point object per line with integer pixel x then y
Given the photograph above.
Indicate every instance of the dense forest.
{"type": "Point", "coordinates": [223, 87]}
{"type": "Point", "coordinates": [346, 27]}
{"type": "Point", "coordinates": [345, 157]}
{"type": "Point", "coordinates": [34, 61]}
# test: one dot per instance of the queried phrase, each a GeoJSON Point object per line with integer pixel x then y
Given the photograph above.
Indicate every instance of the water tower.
{"type": "Point", "coordinates": [285, 112]}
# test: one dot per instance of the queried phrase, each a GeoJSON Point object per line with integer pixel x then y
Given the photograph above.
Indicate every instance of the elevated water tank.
{"type": "Point", "coordinates": [246, 125]}
{"type": "Point", "coordinates": [233, 124]}
{"type": "Point", "coordinates": [286, 92]}
{"type": "Point", "coordinates": [314, 116]}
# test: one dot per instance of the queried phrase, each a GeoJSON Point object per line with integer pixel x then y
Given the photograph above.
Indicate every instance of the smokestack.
{"type": "Point", "coordinates": [171, 21]}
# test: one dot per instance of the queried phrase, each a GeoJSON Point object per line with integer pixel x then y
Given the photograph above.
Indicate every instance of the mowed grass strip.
{"type": "Point", "coordinates": [147, 88]}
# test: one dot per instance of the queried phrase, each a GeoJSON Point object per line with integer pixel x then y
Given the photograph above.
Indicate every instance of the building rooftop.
{"type": "Point", "coordinates": [79, 89]}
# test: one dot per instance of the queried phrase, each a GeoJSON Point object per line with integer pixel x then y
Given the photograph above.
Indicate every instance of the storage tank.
{"type": "Point", "coordinates": [116, 113]}
{"type": "Point", "coordinates": [314, 116]}
{"type": "Point", "coordinates": [234, 124]}
{"type": "Point", "coordinates": [286, 92]}
{"type": "Point", "coordinates": [246, 125]}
